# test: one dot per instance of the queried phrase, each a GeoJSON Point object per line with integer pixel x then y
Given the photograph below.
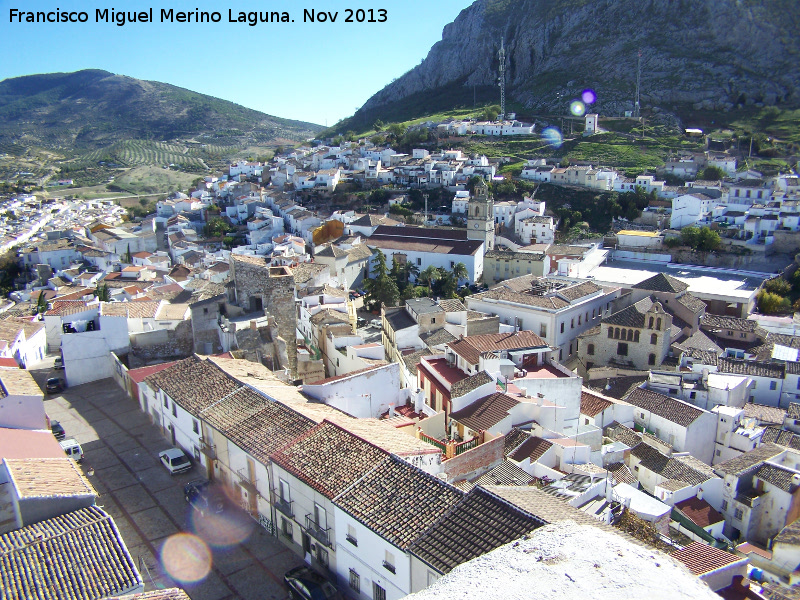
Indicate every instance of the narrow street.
{"type": "Point", "coordinates": [121, 449]}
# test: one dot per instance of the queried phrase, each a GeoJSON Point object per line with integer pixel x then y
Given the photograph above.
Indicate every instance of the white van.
{"type": "Point", "coordinates": [73, 449]}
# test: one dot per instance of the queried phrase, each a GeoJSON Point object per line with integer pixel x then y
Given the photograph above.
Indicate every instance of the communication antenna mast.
{"type": "Point", "coordinates": [638, 82]}
{"type": "Point", "coordinates": [502, 57]}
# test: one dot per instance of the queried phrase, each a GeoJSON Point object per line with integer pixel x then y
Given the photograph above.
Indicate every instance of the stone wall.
{"type": "Point", "coordinates": [484, 326]}
{"type": "Point", "coordinates": [260, 287]}
{"type": "Point", "coordinates": [163, 344]}
{"type": "Point", "coordinates": [786, 242]}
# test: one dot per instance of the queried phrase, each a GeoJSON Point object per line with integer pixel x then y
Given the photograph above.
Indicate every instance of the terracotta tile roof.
{"type": "Point", "coordinates": [793, 412]}
{"type": "Point", "coordinates": [701, 558]}
{"type": "Point", "coordinates": [692, 472]}
{"type": "Point", "coordinates": [476, 525]}
{"type": "Point", "coordinates": [693, 303]}
{"type": "Point", "coordinates": [412, 360]}
{"type": "Point", "coordinates": [62, 308]}
{"type": "Point", "coordinates": [79, 555]}
{"type": "Point", "coordinates": [452, 305]}
{"type": "Point", "coordinates": [662, 283]}
{"type": "Point", "coordinates": [752, 368]}
{"type": "Point", "coordinates": [18, 382]}
{"type": "Point", "coordinates": [723, 323]}
{"type": "Point", "coordinates": [765, 414]}
{"type": "Point", "coordinates": [574, 292]}
{"type": "Point", "coordinates": [194, 384]}
{"type": "Point", "coordinates": [789, 535]}
{"type": "Point", "coordinates": [328, 458]}
{"type": "Point", "coordinates": [437, 338]}
{"type": "Point", "coordinates": [484, 413]}
{"type": "Point", "coordinates": [634, 315]}
{"type": "Point", "coordinates": [140, 374]}
{"type": "Point", "coordinates": [777, 476]}
{"type": "Point", "coordinates": [131, 310]}
{"type": "Point", "coordinates": [682, 413]}
{"type": "Point", "coordinates": [542, 505]}
{"type": "Point", "coordinates": [673, 485]}
{"type": "Point", "coordinates": [466, 385]}
{"type": "Point", "coordinates": [471, 347]}
{"type": "Point", "coordinates": [699, 512]}
{"type": "Point", "coordinates": [623, 434]}
{"type": "Point", "coordinates": [616, 387]}
{"type": "Point", "coordinates": [398, 501]}
{"type": "Point", "coordinates": [516, 297]}
{"type": "Point", "coordinates": [329, 316]}
{"type": "Point", "coordinates": [398, 319]}
{"type": "Point", "coordinates": [514, 439]}
{"type": "Point", "coordinates": [533, 448]}
{"type": "Point", "coordinates": [48, 477]}
{"type": "Point", "coordinates": [776, 435]}
{"type": "Point", "coordinates": [506, 473]}
{"type": "Point", "coordinates": [256, 424]}
{"type": "Point", "coordinates": [593, 404]}
{"type": "Point", "coordinates": [744, 462]}
{"type": "Point", "coordinates": [621, 473]}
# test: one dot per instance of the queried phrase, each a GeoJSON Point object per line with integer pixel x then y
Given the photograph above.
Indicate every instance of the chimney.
{"type": "Point", "coordinates": [796, 479]}
{"type": "Point", "coordinates": [700, 494]}
{"type": "Point", "coordinates": [253, 325]}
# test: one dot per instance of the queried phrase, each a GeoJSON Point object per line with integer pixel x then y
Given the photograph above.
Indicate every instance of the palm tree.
{"type": "Point", "coordinates": [411, 270]}
{"type": "Point", "coordinates": [429, 275]}
{"type": "Point", "coordinates": [460, 272]}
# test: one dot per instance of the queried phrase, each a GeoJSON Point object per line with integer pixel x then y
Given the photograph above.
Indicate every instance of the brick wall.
{"type": "Point", "coordinates": [475, 462]}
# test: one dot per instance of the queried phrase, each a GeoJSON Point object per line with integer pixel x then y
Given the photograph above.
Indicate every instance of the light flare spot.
{"type": "Point", "coordinates": [588, 96]}
{"type": "Point", "coordinates": [186, 558]}
{"type": "Point", "coordinates": [577, 108]}
{"type": "Point", "coordinates": [552, 136]}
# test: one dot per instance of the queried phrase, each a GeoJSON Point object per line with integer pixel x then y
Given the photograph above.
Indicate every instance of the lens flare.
{"type": "Point", "coordinates": [588, 97]}
{"type": "Point", "coordinates": [186, 558]}
{"type": "Point", "coordinates": [577, 108]}
{"type": "Point", "coordinates": [227, 529]}
{"type": "Point", "coordinates": [552, 136]}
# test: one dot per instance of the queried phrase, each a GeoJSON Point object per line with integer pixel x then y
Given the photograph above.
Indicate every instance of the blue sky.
{"type": "Point", "coordinates": [313, 72]}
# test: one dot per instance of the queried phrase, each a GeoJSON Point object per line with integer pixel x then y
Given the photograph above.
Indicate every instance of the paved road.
{"type": "Point", "coordinates": [121, 460]}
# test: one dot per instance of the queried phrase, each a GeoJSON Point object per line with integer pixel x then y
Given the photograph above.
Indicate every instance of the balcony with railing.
{"type": "Point", "coordinates": [282, 505]}
{"type": "Point", "coordinates": [315, 530]}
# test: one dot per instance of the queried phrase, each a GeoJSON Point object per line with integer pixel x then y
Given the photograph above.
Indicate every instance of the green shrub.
{"type": "Point", "coordinates": [771, 304]}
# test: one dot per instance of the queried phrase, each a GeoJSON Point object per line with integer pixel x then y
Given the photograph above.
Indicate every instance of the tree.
{"type": "Point", "coordinates": [779, 286]}
{"type": "Point", "coordinates": [129, 256]}
{"type": "Point", "coordinates": [460, 271]}
{"type": "Point", "coordinates": [41, 304]}
{"type": "Point", "coordinates": [708, 240]}
{"type": "Point", "coordinates": [711, 173]}
{"type": "Point", "coordinates": [770, 304]}
{"type": "Point", "coordinates": [396, 130]}
{"type": "Point", "coordinates": [472, 182]}
{"type": "Point", "coordinates": [382, 290]}
{"type": "Point", "coordinates": [428, 276]}
{"type": "Point", "coordinates": [102, 293]}
{"type": "Point", "coordinates": [217, 227]}
{"type": "Point", "coordinates": [378, 125]}
{"type": "Point", "coordinates": [490, 113]}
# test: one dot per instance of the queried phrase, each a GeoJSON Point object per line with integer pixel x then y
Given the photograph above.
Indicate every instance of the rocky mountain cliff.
{"type": "Point", "coordinates": [93, 108]}
{"type": "Point", "coordinates": [696, 54]}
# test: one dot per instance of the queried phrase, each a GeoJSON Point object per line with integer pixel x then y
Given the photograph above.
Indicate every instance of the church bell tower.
{"type": "Point", "coordinates": [480, 216]}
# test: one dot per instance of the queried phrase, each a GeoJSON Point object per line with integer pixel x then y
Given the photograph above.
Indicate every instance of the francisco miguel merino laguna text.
{"type": "Point", "coordinates": [252, 18]}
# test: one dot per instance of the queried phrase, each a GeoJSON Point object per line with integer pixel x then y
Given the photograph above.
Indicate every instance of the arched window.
{"type": "Point", "coordinates": [610, 332]}
{"type": "Point", "coordinates": [630, 335]}
{"type": "Point", "coordinates": [653, 339]}
{"type": "Point", "coordinates": [651, 360]}
{"type": "Point", "coordinates": [636, 336]}
{"type": "Point", "coordinates": [616, 333]}
{"type": "Point", "coordinates": [477, 210]}
{"type": "Point", "coordinates": [651, 323]}
{"type": "Point", "coordinates": [658, 324]}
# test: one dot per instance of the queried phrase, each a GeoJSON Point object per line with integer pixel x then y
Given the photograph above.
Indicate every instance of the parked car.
{"type": "Point", "coordinates": [58, 430]}
{"type": "Point", "coordinates": [360, 322]}
{"type": "Point", "coordinates": [55, 385]}
{"type": "Point", "coordinates": [376, 323]}
{"type": "Point", "coordinates": [72, 449]}
{"type": "Point", "coordinates": [204, 497]}
{"type": "Point", "coordinates": [306, 584]}
{"type": "Point", "coordinates": [58, 363]}
{"type": "Point", "coordinates": [175, 461]}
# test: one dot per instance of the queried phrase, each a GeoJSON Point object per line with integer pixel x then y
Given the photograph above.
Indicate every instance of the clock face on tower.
{"type": "Point", "coordinates": [476, 225]}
